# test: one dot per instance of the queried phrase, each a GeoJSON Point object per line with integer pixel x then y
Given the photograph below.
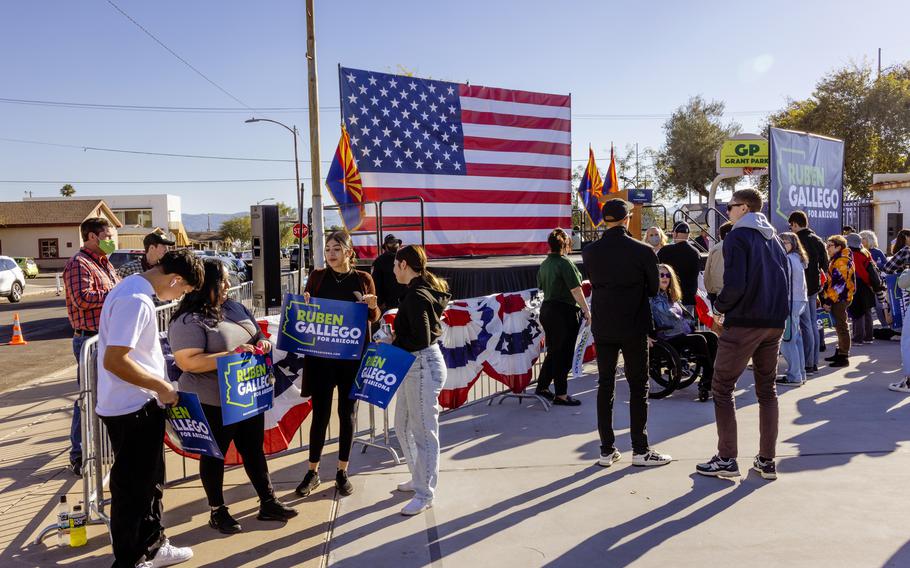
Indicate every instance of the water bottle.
{"type": "Point", "coordinates": [63, 522]}
{"type": "Point", "coordinates": [77, 527]}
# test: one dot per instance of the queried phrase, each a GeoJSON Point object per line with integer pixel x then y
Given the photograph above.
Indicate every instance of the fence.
{"type": "Point", "coordinates": [859, 214]}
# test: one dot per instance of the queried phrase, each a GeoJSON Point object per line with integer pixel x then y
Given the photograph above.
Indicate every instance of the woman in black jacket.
{"type": "Point", "coordinates": [417, 327]}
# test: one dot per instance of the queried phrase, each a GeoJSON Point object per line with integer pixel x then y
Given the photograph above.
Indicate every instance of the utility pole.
{"type": "Point", "coordinates": [637, 185]}
{"type": "Point", "coordinates": [879, 63]}
{"type": "Point", "coordinates": [317, 239]}
{"type": "Point", "coordinates": [209, 217]}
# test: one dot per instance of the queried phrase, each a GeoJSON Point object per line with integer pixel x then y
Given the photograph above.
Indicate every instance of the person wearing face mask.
{"type": "Point", "coordinates": [656, 238]}
{"type": "Point", "coordinates": [337, 281]}
{"type": "Point", "coordinates": [133, 390]}
{"type": "Point", "coordinates": [208, 325]}
{"type": "Point", "coordinates": [88, 278]}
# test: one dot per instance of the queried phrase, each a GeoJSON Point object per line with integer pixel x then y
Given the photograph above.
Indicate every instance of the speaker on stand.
{"type": "Point", "coordinates": [266, 256]}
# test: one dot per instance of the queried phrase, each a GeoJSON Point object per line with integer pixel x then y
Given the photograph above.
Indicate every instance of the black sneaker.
{"type": "Point", "coordinates": [704, 395]}
{"type": "Point", "coordinates": [568, 401]}
{"type": "Point", "coordinates": [222, 520]}
{"type": "Point", "coordinates": [547, 394]}
{"type": "Point", "coordinates": [833, 357]}
{"type": "Point", "coordinates": [76, 467]}
{"type": "Point", "coordinates": [765, 468]}
{"type": "Point", "coordinates": [275, 510]}
{"type": "Point", "coordinates": [841, 361]}
{"type": "Point", "coordinates": [309, 484]}
{"type": "Point", "coordinates": [342, 483]}
{"type": "Point", "coordinates": [719, 467]}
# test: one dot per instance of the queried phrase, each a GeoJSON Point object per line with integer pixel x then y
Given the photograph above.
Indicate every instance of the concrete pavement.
{"type": "Point", "coordinates": [519, 488]}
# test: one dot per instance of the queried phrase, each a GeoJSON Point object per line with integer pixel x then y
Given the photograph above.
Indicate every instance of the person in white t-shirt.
{"type": "Point", "coordinates": [132, 390]}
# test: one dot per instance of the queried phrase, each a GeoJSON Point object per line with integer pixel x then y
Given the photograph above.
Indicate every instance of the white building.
{"type": "Point", "coordinates": [140, 215]}
{"type": "Point", "coordinates": [890, 198]}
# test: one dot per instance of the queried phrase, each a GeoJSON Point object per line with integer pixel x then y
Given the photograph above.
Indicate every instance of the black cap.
{"type": "Point", "coordinates": [153, 239]}
{"type": "Point", "coordinates": [391, 239]}
{"type": "Point", "coordinates": [616, 210]}
{"type": "Point", "coordinates": [681, 227]}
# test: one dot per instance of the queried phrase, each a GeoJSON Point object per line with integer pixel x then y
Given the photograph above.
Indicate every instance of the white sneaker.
{"type": "Point", "coordinates": [415, 506]}
{"type": "Point", "coordinates": [903, 386]}
{"type": "Point", "coordinates": [606, 460]}
{"type": "Point", "coordinates": [168, 555]}
{"type": "Point", "coordinates": [407, 486]}
{"type": "Point", "coordinates": [650, 459]}
{"type": "Point", "coordinates": [145, 564]}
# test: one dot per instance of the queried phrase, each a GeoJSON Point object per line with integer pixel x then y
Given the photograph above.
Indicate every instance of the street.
{"type": "Point", "coordinates": [49, 336]}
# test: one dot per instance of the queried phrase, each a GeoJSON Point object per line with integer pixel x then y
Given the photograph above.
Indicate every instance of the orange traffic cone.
{"type": "Point", "coordinates": [18, 338]}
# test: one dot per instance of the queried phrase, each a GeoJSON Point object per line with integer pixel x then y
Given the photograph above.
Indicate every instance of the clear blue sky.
{"type": "Point", "coordinates": [615, 58]}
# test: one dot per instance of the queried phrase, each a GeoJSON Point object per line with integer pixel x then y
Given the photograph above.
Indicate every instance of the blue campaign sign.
{"type": "Point", "coordinates": [641, 195]}
{"type": "Point", "coordinates": [807, 174]}
{"type": "Point", "coordinates": [383, 368]}
{"type": "Point", "coordinates": [325, 328]}
{"type": "Point", "coordinates": [190, 428]}
{"type": "Point", "coordinates": [898, 299]}
{"type": "Point", "coordinates": [245, 383]}
{"type": "Point", "coordinates": [824, 320]}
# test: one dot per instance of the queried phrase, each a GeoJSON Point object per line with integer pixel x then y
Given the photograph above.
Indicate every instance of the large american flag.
{"type": "Point", "coordinates": [493, 165]}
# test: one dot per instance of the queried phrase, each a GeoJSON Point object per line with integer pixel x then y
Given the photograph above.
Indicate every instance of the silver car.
{"type": "Point", "coordinates": [12, 280]}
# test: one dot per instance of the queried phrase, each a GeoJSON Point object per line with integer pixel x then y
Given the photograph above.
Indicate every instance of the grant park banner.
{"type": "Point", "coordinates": [807, 174]}
{"type": "Point", "coordinates": [325, 328]}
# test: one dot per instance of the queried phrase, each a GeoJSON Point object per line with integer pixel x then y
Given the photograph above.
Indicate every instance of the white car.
{"type": "Point", "coordinates": [12, 280]}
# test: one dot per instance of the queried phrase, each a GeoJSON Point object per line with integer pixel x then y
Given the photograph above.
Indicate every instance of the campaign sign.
{"type": "Point", "coordinates": [899, 300]}
{"type": "Point", "coordinates": [325, 328]}
{"type": "Point", "coordinates": [383, 368]}
{"type": "Point", "coordinates": [245, 383]}
{"type": "Point", "coordinates": [188, 424]}
{"type": "Point", "coordinates": [824, 320]}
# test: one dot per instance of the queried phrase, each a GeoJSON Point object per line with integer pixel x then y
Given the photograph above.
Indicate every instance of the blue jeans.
{"type": "Point", "coordinates": [808, 327]}
{"type": "Point", "coordinates": [417, 419]}
{"type": "Point", "coordinates": [905, 343]}
{"type": "Point", "coordinates": [792, 350]}
{"type": "Point", "coordinates": [76, 426]}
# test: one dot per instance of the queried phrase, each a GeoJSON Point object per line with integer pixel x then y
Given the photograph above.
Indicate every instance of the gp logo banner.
{"type": "Point", "coordinates": [245, 383]}
{"type": "Point", "coordinates": [325, 328]}
{"type": "Point", "coordinates": [188, 426]}
{"type": "Point", "coordinates": [383, 368]}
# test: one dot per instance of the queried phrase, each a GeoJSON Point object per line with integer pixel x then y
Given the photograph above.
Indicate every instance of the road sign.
{"type": "Point", "coordinates": [301, 231]}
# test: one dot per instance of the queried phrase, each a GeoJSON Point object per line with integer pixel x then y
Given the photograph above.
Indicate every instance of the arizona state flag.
{"type": "Point", "coordinates": [343, 182]}
{"type": "Point", "coordinates": [611, 185]}
{"type": "Point", "coordinates": [591, 190]}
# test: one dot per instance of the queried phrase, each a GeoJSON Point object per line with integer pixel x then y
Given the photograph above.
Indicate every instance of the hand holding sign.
{"type": "Point", "coordinates": [325, 328]}
{"type": "Point", "coordinates": [188, 426]}
{"type": "Point", "coordinates": [245, 383]}
{"type": "Point", "coordinates": [381, 372]}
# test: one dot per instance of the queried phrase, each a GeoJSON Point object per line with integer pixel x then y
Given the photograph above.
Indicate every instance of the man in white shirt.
{"type": "Point", "coordinates": [132, 390]}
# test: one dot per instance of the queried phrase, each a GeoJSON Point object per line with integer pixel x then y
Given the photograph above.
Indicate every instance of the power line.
{"type": "Point", "coordinates": [175, 54]}
{"type": "Point", "coordinates": [154, 108]}
{"type": "Point", "coordinates": [131, 182]}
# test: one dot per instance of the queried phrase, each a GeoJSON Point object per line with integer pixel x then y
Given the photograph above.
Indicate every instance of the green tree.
{"type": "Point", "coordinates": [870, 114]}
{"type": "Point", "coordinates": [67, 190]}
{"type": "Point", "coordinates": [694, 132]}
{"type": "Point", "coordinates": [237, 229]}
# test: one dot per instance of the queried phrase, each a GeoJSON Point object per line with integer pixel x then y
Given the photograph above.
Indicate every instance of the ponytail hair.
{"type": "Point", "coordinates": [416, 258]}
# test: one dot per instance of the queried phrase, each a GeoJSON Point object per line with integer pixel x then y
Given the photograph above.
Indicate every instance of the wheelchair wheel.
{"type": "Point", "coordinates": [691, 370]}
{"type": "Point", "coordinates": [665, 370]}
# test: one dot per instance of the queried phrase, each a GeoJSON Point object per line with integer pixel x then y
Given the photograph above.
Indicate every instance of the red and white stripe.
{"type": "Point", "coordinates": [517, 147]}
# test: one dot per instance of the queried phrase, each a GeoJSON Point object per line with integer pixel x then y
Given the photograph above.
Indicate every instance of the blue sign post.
{"type": "Point", "coordinates": [188, 424]}
{"type": "Point", "coordinates": [807, 174]}
{"type": "Point", "coordinates": [245, 383]}
{"type": "Point", "coordinates": [383, 368]}
{"type": "Point", "coordinates": [325, 328]}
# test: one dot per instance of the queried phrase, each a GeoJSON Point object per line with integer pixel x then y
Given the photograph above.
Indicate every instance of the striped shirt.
{"type": "Point", "coordinates": [898, 263]}
{"type": "Point", "coordinates": [88, 278]}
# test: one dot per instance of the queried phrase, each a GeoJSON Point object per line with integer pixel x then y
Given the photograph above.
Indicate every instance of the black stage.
{"type": "Point", "coordinates": [482, 276]}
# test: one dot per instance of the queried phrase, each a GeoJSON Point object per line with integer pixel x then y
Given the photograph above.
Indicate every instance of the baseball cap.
{"type": "Point", "coordinates": [681, 227]}
{"type": "Point", "coordinates": [616, 210]}
{"type": "Point", "coordinates": [153, 239]}
{"type": "Point", "coordinates": [390, 239]}
{"type": "Point", "coordinates": [854, 240]}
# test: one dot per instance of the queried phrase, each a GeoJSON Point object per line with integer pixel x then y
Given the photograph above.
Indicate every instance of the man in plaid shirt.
{"type": "Point", "coordinates": [155, 247]}
{"type": "Point", "coordinates": [88, 278]}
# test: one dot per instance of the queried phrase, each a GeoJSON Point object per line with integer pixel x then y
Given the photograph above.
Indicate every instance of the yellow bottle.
{"type": "Point", "coordinates": [77, 527]}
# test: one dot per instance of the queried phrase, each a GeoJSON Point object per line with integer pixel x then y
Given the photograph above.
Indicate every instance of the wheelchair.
{"type": "Point", "coordinates": [670, 369]}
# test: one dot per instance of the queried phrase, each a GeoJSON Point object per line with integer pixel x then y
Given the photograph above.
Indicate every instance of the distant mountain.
{"type": "Point", "coordinates": [200, 222]}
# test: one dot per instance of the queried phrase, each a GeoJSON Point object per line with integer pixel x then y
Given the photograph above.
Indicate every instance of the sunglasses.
{"type": "Point", "coordinates": [665, 275]}
{"type": "Point", "coordinates": [730, 206]}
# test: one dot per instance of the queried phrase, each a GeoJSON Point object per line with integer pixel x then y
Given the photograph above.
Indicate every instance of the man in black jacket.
{"type": "Point", "coordinates": [623, 275]}
{"type": "Point", "coordinates": [388, 290]}
{"type": "Point", "coordinates": [755, 301]}
{"type": "Point", "coordinates": [818, 264]}
{"type": "Point", "coordinates": [684, 258]}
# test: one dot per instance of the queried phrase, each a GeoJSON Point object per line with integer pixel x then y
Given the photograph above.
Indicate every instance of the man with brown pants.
{"type": "Point", "coordinates": [755, 301]}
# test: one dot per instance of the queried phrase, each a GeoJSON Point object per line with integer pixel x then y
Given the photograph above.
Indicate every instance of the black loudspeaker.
{"type": "Point", "coordinates": [266, 256]}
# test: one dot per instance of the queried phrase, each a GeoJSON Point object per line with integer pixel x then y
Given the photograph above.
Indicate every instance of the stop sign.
{"type": "Point", "coordinates": [301, 231]}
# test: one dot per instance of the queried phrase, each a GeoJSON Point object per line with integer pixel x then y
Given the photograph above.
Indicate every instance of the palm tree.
{"type": "Point", "coordinates": [67, 190]}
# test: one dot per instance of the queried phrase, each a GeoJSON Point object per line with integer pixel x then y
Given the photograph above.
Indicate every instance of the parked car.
{"type": "Point", "coordinates": [247, 257]}
{"type": "Point", "coordinates": [121, 256]}
{"type": "Point", "coordinates": [12, 280]}
{"type": "Point", "coordinates": [28, 265]}
{"type": "Point", "coordinates": [295, 258]}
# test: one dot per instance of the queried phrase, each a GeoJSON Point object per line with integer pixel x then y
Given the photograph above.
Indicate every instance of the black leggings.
{"type": "Point", "coordinates": [560, 326]}
{"type": "Point", "coordinates": [703, 344]}
{"type": "Point", "coordinates": [323, 376]}
{"type": "Point", "coordinates": [247, 436]}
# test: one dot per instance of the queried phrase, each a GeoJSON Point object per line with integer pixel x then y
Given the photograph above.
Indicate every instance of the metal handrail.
{"type": "Point", "coordinates": [382, 226]}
